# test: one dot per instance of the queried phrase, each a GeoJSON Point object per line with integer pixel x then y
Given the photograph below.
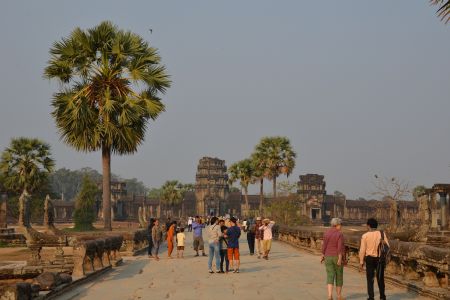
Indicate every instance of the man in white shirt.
{"type": "Point", "coordinates": [368, 254]}
{"type": "Point", "coordinates": [267, 237]}
{"type": "Point", "coordinates": [190, 224]}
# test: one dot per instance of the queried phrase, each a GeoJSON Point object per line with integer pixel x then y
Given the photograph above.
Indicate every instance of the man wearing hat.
{"type": "Point", "coordinates": [267, 238]}
{"type": "Point", "coordinates": [258, 236]}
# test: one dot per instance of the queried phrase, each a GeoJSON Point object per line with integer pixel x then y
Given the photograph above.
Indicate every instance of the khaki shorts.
{"type": "Point", "coordinates": [198, 243]}
{"type": "Point", "coordinates": [267, 244]}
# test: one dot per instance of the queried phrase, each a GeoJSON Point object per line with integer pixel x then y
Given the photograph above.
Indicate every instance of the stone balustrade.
{"type": "Point", "coordinates": [135, 242]}
{"type": "Point", "coordinates": [93, 254]}
{"type": "Point", "coordinates": [421, 267]}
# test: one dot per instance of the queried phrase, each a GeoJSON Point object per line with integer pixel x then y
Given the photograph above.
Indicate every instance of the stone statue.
{"type": "Point", "coordinates": [144, 214]}
{"type": "Point", "coordinates": [24, 211]}
{"type": "Point", "coordinates": [49, 217]}
{"type": "Point", "coordinates": [420, 234]}
{"type": "Point", "coordinates": [393, 215]}
{"type": "Point", "coordinates": [141, 217]}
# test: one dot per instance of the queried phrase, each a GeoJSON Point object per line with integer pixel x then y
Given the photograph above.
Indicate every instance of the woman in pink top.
{"type": "Point", "coordinates": [333, 254]}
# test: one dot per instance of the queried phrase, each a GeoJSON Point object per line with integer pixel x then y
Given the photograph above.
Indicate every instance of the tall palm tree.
{"type": "Point", "coordinates": [444, 9]}
{"type": "Point", "coordinates": [244, 172]}
{"type": "Point", "coordinates": [110, 80]}
{"type": "Point", "coordinates": [259, 171]}
{"type": "Point", "coordinates": [276, 157]}
{"type": "Point", "coordinates": [172, 193]}
{"type": "Point", "coordinates": [25, 166]}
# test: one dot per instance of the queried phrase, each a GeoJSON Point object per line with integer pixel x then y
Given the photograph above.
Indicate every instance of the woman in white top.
{"type": "Point", "coordinates": [214, 233]}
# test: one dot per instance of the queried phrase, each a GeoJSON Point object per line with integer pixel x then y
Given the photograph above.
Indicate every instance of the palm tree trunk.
{"type": "Point", "coordinates": [246, 201]}
{"type": "Point", "coordinates": [274, 181]}
{"type": "Point", "coordinates": [261, 195]}
{"type": "Point", "coordinates": [22, 208]}
{"type": "Point", "coordinates": [106, 185]}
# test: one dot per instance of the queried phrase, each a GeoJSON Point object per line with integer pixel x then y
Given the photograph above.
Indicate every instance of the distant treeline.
{"type": "Point", "coordinates": [66, 184]}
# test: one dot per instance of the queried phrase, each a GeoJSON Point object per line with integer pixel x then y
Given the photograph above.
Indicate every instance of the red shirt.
{"type": "Point", "coordinates": [333, 243]}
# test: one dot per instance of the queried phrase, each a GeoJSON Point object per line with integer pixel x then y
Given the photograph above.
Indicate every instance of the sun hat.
{"type": "Point", "coordinates": [258, 219]}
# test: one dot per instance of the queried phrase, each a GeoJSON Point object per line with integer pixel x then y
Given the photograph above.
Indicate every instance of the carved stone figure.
{"type": "Point", "coordinates": [24, 211]}
{"type": "Point", "coordinates": [49, 217]}
{"type": "Point", "coordinates": [424, 217]}
{"type": "Point", "coordinates": [141, 217]}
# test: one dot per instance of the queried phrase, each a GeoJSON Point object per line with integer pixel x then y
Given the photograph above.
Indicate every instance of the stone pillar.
{"type": "Point", "coordinates": [444, 210]}
{"type": "Point", "coordinates": [3, 215]}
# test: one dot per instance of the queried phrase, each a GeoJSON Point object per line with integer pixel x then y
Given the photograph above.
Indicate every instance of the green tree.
{"type": "Point", "coordinates": [275, 156]}
{"type": "Point", "coordinates": [154, 193]}
{"type": "Point", "coordinates": [285, 211]}
{"type": "Point", "coordinates": [134, 186]}
{"type": "Point", "coordinates": [172, 193]}
{"type": "Point", "coordinates": [110, 80]}
{"type": "Point", "coordinates": [338, 194]}
{"type": "Point", "coordinates": [286, 188]}
{"type": "Point", "coordinates": [444, 9]}
{"type": "Point", "coordinates": [418, 191]}
{"type": "Point", "coordinates": [84, 215]}
{"type": "Point", "coordinates": [65, 183]}
{"type": "Point", "coordinates": [242, 171]}
{"type": "Point", "coordinates": [25, 166]}
{"type": "Point", "coordinates": [234, 189]}
{"type": "Point", "coordinates": [188, 187]}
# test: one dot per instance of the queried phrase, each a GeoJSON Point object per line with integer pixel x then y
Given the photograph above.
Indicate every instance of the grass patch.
{"type": "Point", "coordinates": [4, 244]}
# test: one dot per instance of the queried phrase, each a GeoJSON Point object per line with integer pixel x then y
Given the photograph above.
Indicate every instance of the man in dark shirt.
{"type": "Point", "coordinates": [233, 234]}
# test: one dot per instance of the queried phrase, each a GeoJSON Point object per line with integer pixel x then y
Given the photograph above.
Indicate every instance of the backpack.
{"type": "Point", "coordinates": [384, 251]}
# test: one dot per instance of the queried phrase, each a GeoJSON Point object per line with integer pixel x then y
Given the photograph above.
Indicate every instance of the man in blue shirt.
{"type": "Point", "coordinates": [233, 234]}
{"type": "Point", "coordinates": [197, 234]}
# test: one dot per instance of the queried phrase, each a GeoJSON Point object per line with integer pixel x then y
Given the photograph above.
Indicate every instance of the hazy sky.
{"type": "Point", "coordinates": [360, 87]}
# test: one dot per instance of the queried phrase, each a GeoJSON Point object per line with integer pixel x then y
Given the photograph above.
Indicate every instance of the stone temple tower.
{"type": "Point", "coordinates": [211, 186]}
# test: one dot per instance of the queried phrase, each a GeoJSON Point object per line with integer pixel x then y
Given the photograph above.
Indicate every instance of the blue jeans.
{"type": "Point", "coordinates": [214, 251]}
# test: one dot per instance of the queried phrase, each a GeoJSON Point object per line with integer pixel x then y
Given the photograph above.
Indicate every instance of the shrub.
{"type": "Point", "coordinates": [84, 215]}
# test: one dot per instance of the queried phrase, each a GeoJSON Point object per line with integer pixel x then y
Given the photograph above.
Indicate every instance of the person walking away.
{"type": "Point", "coordinates": [369, 254]}
{"type": "Point", "coordinates": [259, 235]}
{"type": "Point", "coordinates": [151, 223]}
{"type": "Point", "coordinates": [251, 237]}
{"type": "Point", "coordinates": [214, 234]}
{"type": "Point", "coordinates": [267, 237]}
{"type": "Point", "coordinates": [190, 224]}
{"type": "Point", "coordinates": [156, 237]}
{"type": "Point", "coordinates": [197, 228]}
{"type": "Point", "coordinates": [168, 223]}
{"type": "Point", "coordinates": [333, 254]}
{"type": "Point", "coordinates": [244, 225]}
{"type": "Point", "coordinates": [233, 234]}
{"type": "Point", "coordinates": [170, 235]}
{"type": "Point", "coordinates": [223, 247]}
{"type": "Point", "coordinates": [181, 237]}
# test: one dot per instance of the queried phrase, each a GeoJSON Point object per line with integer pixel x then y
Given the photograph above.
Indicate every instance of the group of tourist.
{"type": "Point", "coordinates": [370, 255]}
{"type": "Point", "coordinates": [223, 240]}
{"type": "Point", "coordinates": [223, 244]}
{"type": "Point", "coordinates": [155, 238]}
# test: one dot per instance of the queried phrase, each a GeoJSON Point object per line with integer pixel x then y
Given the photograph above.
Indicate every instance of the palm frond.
{"type": "Point", "coordinates": [444, 9]}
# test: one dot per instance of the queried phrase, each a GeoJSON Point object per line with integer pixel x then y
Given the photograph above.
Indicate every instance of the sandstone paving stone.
{"type": "Point", "coordinates": [289, 274]}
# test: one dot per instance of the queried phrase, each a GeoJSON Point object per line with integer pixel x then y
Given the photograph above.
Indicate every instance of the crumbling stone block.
{"type": "Point", "coordinates": [430, 280]}
{"type": "Point", "coordinates": [48, 280]}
